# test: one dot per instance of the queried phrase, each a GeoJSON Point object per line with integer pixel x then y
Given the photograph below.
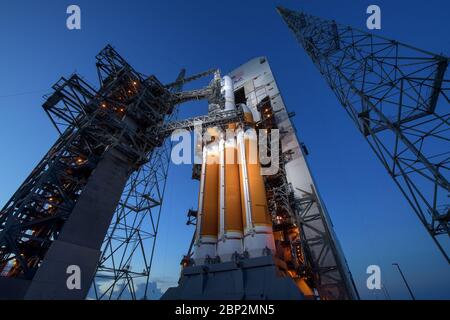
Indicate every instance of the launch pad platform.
{"type": "Point", "coordinates": [261, 278]}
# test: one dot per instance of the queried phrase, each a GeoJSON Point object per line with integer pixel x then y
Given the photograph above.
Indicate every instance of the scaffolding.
{"type": "Point", "coordinates": [95, 198]}
{"type": "Point", "coordinates": [398, 98]}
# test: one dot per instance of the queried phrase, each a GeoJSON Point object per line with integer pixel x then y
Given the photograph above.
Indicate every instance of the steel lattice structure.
{"type": "Point", "coordinates": [108, 168]}
{"type": "Point", "coordinates": [315, 254]}
{"type": "Point", "coordinates": [398, 97]}
{"type": "Point", "coordinates": [91, 123]}
{"type": "Point", "coordinates": [127, 251]}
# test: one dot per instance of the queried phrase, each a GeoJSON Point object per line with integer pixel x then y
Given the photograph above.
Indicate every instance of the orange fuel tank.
{"type": "Point", "coordinates": [230, 211]}
{"type": "Point", "coordinates": [258, 233]}
{"type": "Point", "coordinates": [207, 222]}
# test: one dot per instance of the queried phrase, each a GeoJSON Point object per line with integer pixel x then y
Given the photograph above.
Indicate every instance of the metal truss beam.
{"type": "Point", "coordinates": [127, 253]}
{"type": "Point", "coordinates": [398, 97]}
{"type": "Point", "coordinates": [125, 264]}
{"type": "Point", "coordinates": [197, 76]}
{"type": "Point", "coordinates": [217, 119]}
{"type": "Point", "coordinates": [100, 128]}
{"type": "Point", "coordinates": [314, 252]}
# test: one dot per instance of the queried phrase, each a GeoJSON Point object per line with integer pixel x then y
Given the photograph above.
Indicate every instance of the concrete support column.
{"type": "Point", "coordinates": [82, 235]}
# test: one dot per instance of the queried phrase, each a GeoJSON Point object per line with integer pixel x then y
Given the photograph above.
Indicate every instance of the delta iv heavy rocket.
{"type": "Point", "coordinates": [258, 236]}
{"type": "Point", "coordinates": [233, 215]}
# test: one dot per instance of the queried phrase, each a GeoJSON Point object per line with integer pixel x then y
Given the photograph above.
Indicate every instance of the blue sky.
{"type": "Point", "coordinates": [372, 220]}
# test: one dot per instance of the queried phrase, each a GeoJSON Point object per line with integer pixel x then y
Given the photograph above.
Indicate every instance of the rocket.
{"type": "Point", "coordinates": [233, 217]}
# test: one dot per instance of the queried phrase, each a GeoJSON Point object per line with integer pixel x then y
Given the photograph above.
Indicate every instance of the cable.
{"type": "Point", "coordinates": [21, 93]}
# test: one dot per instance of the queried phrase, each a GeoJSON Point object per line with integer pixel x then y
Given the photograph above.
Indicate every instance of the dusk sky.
{"type": "Point", "coordinates": [372, 220]}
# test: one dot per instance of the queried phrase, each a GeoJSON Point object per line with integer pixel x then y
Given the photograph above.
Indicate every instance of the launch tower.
{"type": "Point", "coordinates": [398, 98]}
{"type": "Point", "coordinates": [94, 200]}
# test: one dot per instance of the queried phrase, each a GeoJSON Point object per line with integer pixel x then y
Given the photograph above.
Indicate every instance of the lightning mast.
{"type": "Point", "coordinates": [398, 98]}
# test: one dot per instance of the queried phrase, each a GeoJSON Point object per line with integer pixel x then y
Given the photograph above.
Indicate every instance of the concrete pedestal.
{"type": "Point", "coordinates": [261, 278]}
